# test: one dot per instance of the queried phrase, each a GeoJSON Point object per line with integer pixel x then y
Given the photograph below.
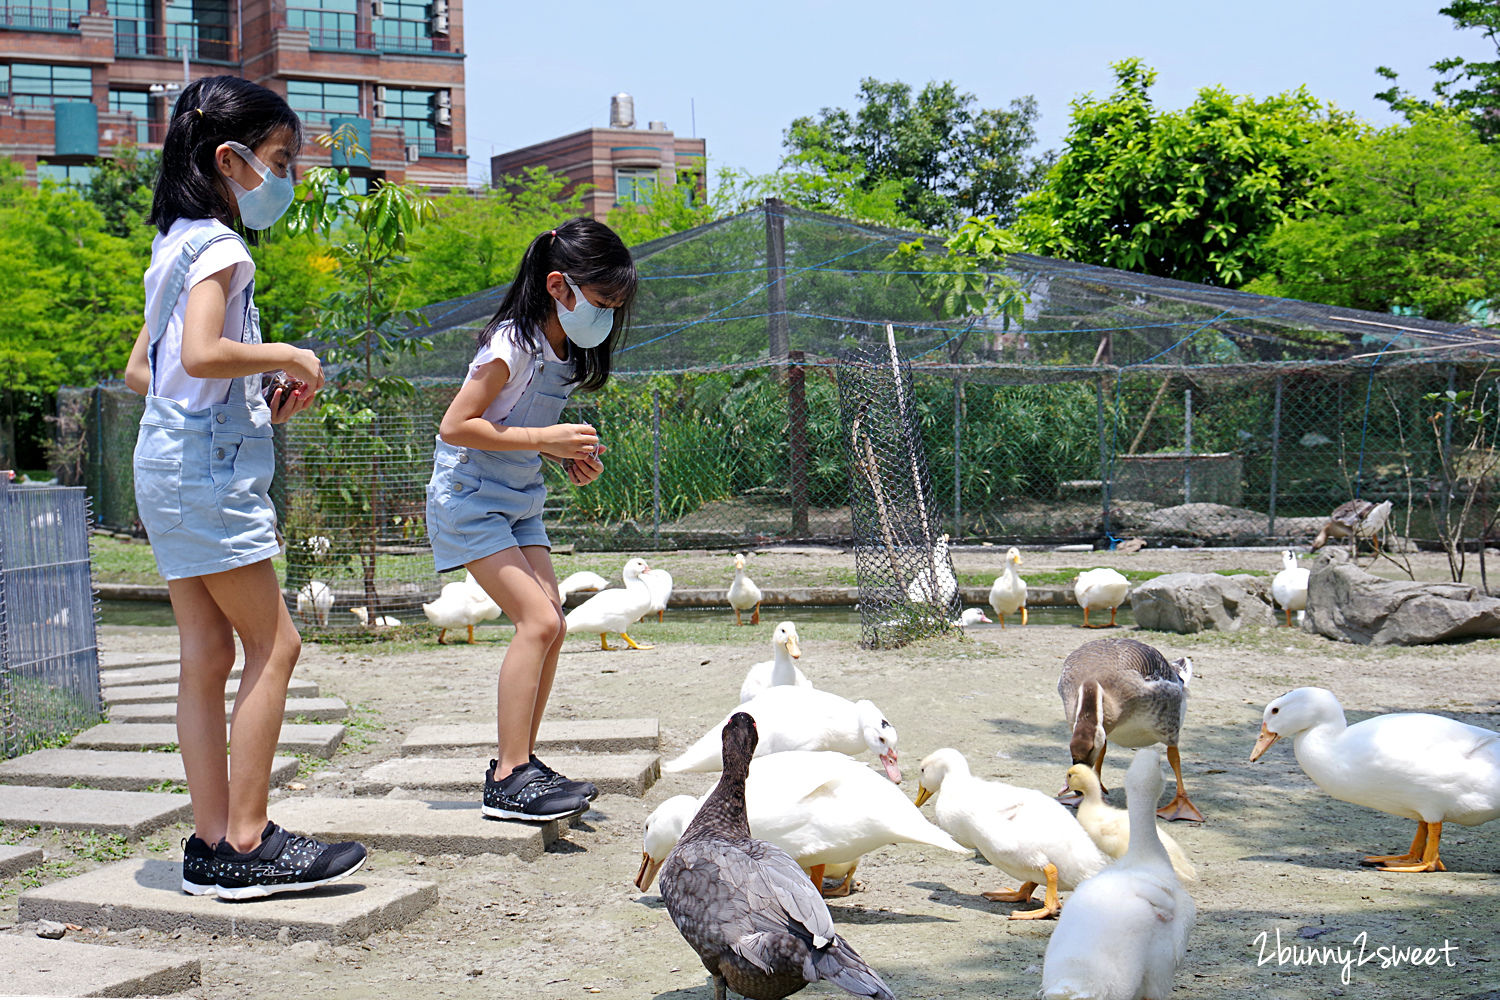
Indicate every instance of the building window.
{"type": "Point", "coordinates": [329, 24]}
{"type": "Point", "coordinates": [137, 103]}
{"type": "Point", "coordinates": [135, 27]}
{"type": "Point", "coordinates": [635, 185]}
{"type": "Point", "coordinates": [52, 15]}
{"type": "Point", "coordinates": [405, 27]}
{"type": "Point", "coordinates": [39, 85]}
{"type": "Point", "coordinates": [411, 111]}
{"type": "Point", "coordinates": [316, 101]}
{"type": "Point", "coordinates": [201, 27]}
{"type": "Point", "coordinates": [77, 174]}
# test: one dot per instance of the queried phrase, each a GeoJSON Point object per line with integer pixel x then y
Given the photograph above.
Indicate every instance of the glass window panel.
{"type": "Point", "coordinates": [135, 23]}
{"type": "Point", "coordinates": [635, 185]}
{"type": "Point", "coordinates": [40, 85]}
{"type": "Point", "coordinates": [318, 100]}
{"type": "Point", "coordinates": [202, 26]}
{"type": "Point", "coordinates": [76, 174]}
{"type": "Point", "coordinates": [134, 102]}
{"type": "Point", "coordinates": [328, 23]}
{"type": "Point", "coordinates": [411, 111]}
{"type": "Point", "coordinates": [405, 25]}
{"type": "Point", "coordinates": [51, 15]}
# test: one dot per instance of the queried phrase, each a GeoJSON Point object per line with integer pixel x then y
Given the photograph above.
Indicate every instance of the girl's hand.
{"type": "Point", "coordinates": [583, 471]}
{"type": "Point", "coordinates": [286, 405]}
{"type": "Point", "coordinates": [304, 364]}
{"type": "Point", "coordinates": [575, 441]}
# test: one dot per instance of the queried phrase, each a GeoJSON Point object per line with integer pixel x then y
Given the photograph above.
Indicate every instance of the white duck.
{"type": "Point", "coordinates": [457, 606]}
{"type": "Point", "coordinates": [1024, 833]}
{"type": "Point", "coordinates": [1428, 768]}
{"type": "Point", "coordinates": [743, 593]}
{"type": "Point", "coordinates": [1125, 931]}
{"type": "Point", "coordinates": [785, 647]}
{"type": "Point", "coordinates": [484, 605]}
{"type": "Point", "coordinates": [1109, 828]}
{"type": "Point", "coordinates": [1097, 589]}
{"type": "Point", "coordinates": [1289, 587]}
{"type": "Point", "coordinates": [381, 621]}
{"type": "Point", "coordinates": [314, 601]}
{"type": "Point", "coordinates": [1008, 593]}
{"type": "Point", "coordinates": [798, 718]}
{"type": "Point", "coordinates": [971, 616]}
{"type": "Point", "coordinates": [659, 582]}
{"type": "Point", "coordinates": [582, 580]}
{"type": "Point", "coordinates": [615, 610]}
{"type": "Point", "coordinates": [824, 809]}
{"type": "Point", "coordinates": [939, 586]}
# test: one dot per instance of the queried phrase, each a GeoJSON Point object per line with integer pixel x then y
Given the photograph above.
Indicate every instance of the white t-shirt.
{"type": "Point", "coordinates": [172, 382]}
{"type": "Point", "coordinates": [517, 358]}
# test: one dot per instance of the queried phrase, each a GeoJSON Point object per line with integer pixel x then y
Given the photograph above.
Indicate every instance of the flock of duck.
{"type": "Point", "coordinates": [744, 870]}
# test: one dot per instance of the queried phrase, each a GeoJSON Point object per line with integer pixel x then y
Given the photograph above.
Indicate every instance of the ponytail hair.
{"type": "Point", "coordinates": [208, 113]}
{"type": "Point", "coordinates": [591, 255]}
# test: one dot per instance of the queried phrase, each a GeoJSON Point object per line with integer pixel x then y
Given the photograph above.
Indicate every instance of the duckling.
{"type": "Point", "coordinates": [1008, 593]}
{"type": "Point", "coordinates": [743, 593]}
{"type": "Point", "coordinates": [315, 599]}
{"type": "Point", "coordinates": [1125, 690]}
{"type": "Point", "coordinates": [1109, 828]}
{"type": "Point", "coordinates": [1097, 589]}
{"type": "Point", "coordinates": [1289, 587]}
{"type": "Point", "coordinates": [1024, 833]}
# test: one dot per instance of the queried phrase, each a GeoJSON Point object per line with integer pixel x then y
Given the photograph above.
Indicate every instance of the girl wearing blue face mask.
{"type": "Point", "coordinates": [562, 316]}
{"type": "Point", "coordinates": [203, 464]}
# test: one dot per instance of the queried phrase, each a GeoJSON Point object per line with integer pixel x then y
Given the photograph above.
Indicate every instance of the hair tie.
{"type": "Point", "coordinates": [554, 234]}
{"type": "Point", "coordinates": [200, 112]}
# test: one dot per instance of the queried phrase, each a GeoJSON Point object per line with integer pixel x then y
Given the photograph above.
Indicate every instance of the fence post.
{"type": "Point", "coordinates": [1275, 459]}
{"type": "Point", "coordinates": [1447, 456]}
{"type": "Point", "coordinates": [1187, 446]}
{"type": "Point", "coordinates": [1104, 464]}
{"type": "Point", "coordinates": [656, 466]}
{"type": "Point", "coordinates": [796, 406]}
{"type": "Point", "coordinates": [779, 334]}
{"type": "Point", "coordinates": [958, 437]}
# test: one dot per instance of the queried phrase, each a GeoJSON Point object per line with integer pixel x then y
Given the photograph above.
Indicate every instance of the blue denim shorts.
{"type": "Point", "coordinates": [482, 502]}
{"type": "Point", "coordinates": [202, 482]}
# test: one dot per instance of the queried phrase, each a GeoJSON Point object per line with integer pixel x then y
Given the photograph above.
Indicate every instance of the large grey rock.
{"type": "Point", "coordinates": [1197, 602]}
{"type": "Point", "coordinates": [1348, 604]}
{"type": "Point", "coordinates": [1209, 523]}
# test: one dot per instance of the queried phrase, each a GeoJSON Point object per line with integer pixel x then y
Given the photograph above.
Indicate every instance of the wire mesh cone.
{"type": "Point", "coordinates": [907, 588]}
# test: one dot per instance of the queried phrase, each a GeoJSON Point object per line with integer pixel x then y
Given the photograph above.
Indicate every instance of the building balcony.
{"type": "Point", "coordinates": [27, 18]}
{"type": "Point", "coordinates": [133, 42]}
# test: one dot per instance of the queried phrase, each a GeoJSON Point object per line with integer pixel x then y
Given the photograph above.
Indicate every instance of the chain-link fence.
{"type": "Point", "coordinates": [1109, 405]}
{"type": "Point", "coordinates": [49, 660]}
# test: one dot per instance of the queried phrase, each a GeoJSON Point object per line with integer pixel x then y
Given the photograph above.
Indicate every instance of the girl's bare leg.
{"type": "Point", "coordinates": [511, 581]}
{"type": "Point", "coordinates": [250, 598]}
{"type": "Point", "coordinates": [207, 655]}
{"type": "Point", "coordinates": [540, 559]}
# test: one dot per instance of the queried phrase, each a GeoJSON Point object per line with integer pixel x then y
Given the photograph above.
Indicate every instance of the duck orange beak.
{"type": "Point", "coordinates": [922, 795]}
{"type": "Point", "coordinates": [1264, 743]}
{"type": "Point", "coordinates": [794, 650]}
{"type": "Point", "coordinates": [647, 874]}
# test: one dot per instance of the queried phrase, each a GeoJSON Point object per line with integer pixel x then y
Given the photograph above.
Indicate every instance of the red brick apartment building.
{"type": "Point", "coordinates": [79, 77]}
{"type": "Point", "coordinates": [625, 164]}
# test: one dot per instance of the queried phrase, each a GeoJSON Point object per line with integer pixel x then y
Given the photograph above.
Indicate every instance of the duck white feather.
{"type": "Point", "coordinates": [460, 604]}
{"type": "Point", "coordinates": [1289, 587]}
{"type": "Point", "coordinates": [743, 593]}
{"type": "Point", "coordinates": [1109, 828]}
{"type": "Point", "coordinates": [1424, 767]}
{"type": "Point", "coordinates": [1008, 592]}
{"type": "Point", "coordinates": [1024, 833]}
{"type": "Point", "coordinates": [314, 601]}
{"type": "Point", "coordinates": [582, 580]}
{"type": "Point", "coordinates": [1097, 589]}
{"type": "Point", "coordinates": [970, 616]}
{"type": "Point", "coordinates": [381, 621]}
{"type": "Point", "coordinates": [615, 610]}
{"type": "Point", "coordinates": [821, 807]}
{"type": "Point", "coordinates": [938, 586]}
{"type": "Point", "coordinates": [659, 582]}
{"type": "Point", "coordinates": [785, 647]}
{"type": "Point", "coordinates": [1124, 931]}
{"type": "Point", "coordinates": [801, 718]}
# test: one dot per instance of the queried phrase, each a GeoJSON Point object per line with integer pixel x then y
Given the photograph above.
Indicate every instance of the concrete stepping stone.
{"type": "Point", "coordinates": [129, 814]}
{"type": "Point", "coordinates": [165, 673]}
{"type": "Point", "coordinates": [147, 892]}
{"type": "Point", "coordinates": [317, 709]}
{"type": "Point", "coordinates": [122, 661]}
{"type": "Point", "coordinates": [14, 860]}
{"type": "Point", "coordinates": [613, 774]}
{"type": "Point", "coordinates": [32, 966]}
{"type": "Point", "coordinates": [320, 739]}
{"type": "Point", "coordinates": [118, 770]}
{"type": "Point", "coordinates": [579, 735]}
{"type": "Point", "coordinates": [139, 694]}
{"type": "Point", "coordinates": [413, 825]}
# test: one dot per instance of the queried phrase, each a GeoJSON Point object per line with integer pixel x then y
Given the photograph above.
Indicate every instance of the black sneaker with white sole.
{"type": "Point", "coordinates": [197, 867]}
{"type": "Point", "coordinates": [528, 793]}
{"type": "Point", "coordinates": [283, 862]}
{"type": "Point", "coordinates": [567, 784]}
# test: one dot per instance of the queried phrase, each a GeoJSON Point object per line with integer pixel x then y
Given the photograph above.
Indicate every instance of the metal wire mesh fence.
{"type": "Point", "coordinates": [49, 660]}
{"type": "Point", "coordinates": [1112, 405]}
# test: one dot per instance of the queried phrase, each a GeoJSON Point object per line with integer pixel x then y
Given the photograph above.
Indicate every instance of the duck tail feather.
{"type": "Point", "coordinates": [841, 965]}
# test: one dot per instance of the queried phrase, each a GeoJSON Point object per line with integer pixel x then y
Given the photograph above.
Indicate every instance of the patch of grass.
{"type": "Point", "coordinates": [48, 871]}
{"type": "Point", "coordinates": [168, 785]}
{"type": "Point", "coordinates": [10, 835]}
{"type": "Point", "coordinates": [100, 847]}
{"type": "Point", "coordinates": [114, 561]}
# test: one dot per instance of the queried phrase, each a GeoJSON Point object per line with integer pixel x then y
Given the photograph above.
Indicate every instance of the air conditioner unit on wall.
{"type": "Point", "coordinates": [439, 7]}
{"type": "Point", "coordinates": [413, 153]}
{"type": "Point", "coordinates": [442, 116]}
{"type": "Point", "coordinates": [379, 110]}
{"type": "Point", "coordinates": [380, 93]}
{"type": "Point", "coordinates": [444, 99]}
{"type": "Point", "coordinates": [440, 24]}
{"type": "Point", "coordinates": [377, 8]}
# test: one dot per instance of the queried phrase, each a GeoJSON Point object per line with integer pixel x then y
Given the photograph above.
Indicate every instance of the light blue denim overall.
{"type": "Point", "coordinates": [482, 502]}
{"type": "Point", "coordinates": [202, 477]}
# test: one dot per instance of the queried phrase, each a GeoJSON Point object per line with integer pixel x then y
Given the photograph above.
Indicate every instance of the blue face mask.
{"type": "Point", "coordinates": [586, 324]}
{"type": "Point", "coordinates": [262, 205]}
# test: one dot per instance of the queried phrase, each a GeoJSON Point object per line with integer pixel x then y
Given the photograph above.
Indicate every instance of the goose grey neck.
{"type": "Point", "coordinates": [723, 812]}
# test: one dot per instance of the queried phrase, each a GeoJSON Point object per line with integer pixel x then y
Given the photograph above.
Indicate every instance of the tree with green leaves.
{"type": "Point", "coordinates": [1412, 223]}
{"type": "Point", "coordinates": [122, 187]}
{"type": "Point", "coordinates": [1469, 86]}
{"type": "Point", "coordinates": [1188, 194]}
{"type": "Point", "coordinates": [674, 209]}
{"type": "Point", "coordinates": [946, 157]}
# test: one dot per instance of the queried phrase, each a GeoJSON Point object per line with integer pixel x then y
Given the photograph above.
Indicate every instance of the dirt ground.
{"type": "Point", "coordinates": [1275, 857]}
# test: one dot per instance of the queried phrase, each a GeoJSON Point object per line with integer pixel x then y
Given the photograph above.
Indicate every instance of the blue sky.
{"type": "Point", "coordinates": [743, 71]}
